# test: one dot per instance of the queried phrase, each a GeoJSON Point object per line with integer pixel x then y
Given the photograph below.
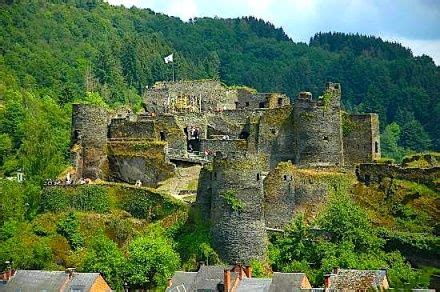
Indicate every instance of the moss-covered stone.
{"type": "Point", "coordinates": [289, 190]}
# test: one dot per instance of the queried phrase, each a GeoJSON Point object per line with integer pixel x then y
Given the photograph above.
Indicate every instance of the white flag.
{"type": "Point", "coordinates": [168, 59]}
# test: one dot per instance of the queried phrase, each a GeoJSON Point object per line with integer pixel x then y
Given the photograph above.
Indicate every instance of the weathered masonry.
{"type": "Point", "coordinates": [193, 120]}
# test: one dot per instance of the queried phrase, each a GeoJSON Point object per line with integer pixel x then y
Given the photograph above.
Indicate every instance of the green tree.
{"type": "Point", "coordinates": [69, 228]}
{"type": "Point", "coordinates": [414, 137]}
{"type": "Point", "coordinates": [151, 260]}
{"type": "Point", "coordinates": [390, 142]}
{"type": "Point", "coordinates": [341, 236]}
{"type": "Point", "coordinates": [12, 201]}
{"type": "Point", "coordinates": [104, 256]}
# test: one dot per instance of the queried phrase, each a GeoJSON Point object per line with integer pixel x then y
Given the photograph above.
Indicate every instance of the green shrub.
{"type": "Point", "coordinates": [151, 260]}
{"type": "Point", "coordinates": [91, 198]}
{"type": "Point", "coordinates": [232, 200]}
{"type": "Point", "coordinates": [69, 228]}
{"type": "Point", "coordinates": [384, 160]}
{"type": "Point", "coordinates": [146, 204]}
{"type": "Point", "coordinates": [84, 198]}
{"type": "Point", "coordinates": [54, 200]}
{"type": "Point", "coordinates": [104, 256]}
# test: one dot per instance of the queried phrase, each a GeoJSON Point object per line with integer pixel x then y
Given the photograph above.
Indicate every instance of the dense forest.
{"type": "Point", "coordinates": [54, 53]}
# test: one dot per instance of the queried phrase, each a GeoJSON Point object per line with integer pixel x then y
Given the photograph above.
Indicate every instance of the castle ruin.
{"type": "Point", "coordinates": [242, 137]}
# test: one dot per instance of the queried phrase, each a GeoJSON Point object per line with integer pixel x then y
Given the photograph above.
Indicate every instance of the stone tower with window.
{"type": "Point", "coordinates": [317, 127]}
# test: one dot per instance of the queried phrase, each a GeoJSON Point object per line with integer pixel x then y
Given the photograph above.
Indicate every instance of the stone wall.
{"type": "Point", "coordinates": [318, 132]}
{"type": "Point", "coordinates": [170, 131]}
{"type": "Point", "coordinates": [289, 190]}
{"type": "Point", "coordinates": [124, 128]}
{"type": "Point", "coordinates": [219, 125]}
{"type": "Point", "coordinates": [139, 160]}
{"type": "Point", "coordinates": [276, 136]}
{"type": "Point", "coordinates": [204, 193]}
{"type": "Point", "coordinates": [276, 100]}
{"type": "Point", "coordinates": [89, 140]}
{"type": "Point", "coordinates": [361, 138]}
{"type": "Point", "coordinates": [238, 232]}
{"type": "Point", "coordinates": [249, 99]}
{"type": "Point", "coordinates": [197, 120]}
{"type": "Point", "coordinates": [189, 96]}
{"type": "Point", "coordinates": [374, 173]}
{"type": "Point", "coordinates": [225, 146]}
{"type": "Point", "coordinates": [237, 116]}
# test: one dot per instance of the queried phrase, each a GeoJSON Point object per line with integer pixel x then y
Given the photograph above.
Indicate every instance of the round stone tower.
{"type": "Point", "coordinates": [317, 127]}
{"type": "Point", "coordinates": [89, 140]}
{"type": "Point", "coordinates": [238, 226]}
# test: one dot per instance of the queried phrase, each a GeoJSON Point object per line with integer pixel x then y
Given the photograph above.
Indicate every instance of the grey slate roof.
{"type": "Point", "coordinates": [286, 282]}
{"type": "Point", "coordinates": [182, 281]}
{"type": "Point", "coordinates": [82, 281]}
{"type": "Point", "coordinates": [357, 279]}
{"type": "Point", "coordinates": [206, 278]}
{"type": "Point", "coordinates": [254, 285]}
{"type": "Point", "coordinates": [36, 280]}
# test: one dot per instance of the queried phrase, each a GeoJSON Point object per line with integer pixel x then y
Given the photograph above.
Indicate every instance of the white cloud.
{"type": "Point", "coordinates": [185, 9]}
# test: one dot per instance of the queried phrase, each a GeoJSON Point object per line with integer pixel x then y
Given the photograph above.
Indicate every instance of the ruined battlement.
{"type": "Point", "coordinates": [207, 96]}
{"type": "Point", "coordinates": [375, 173]}
{"type": "Point", "coordinates": [205, 116]}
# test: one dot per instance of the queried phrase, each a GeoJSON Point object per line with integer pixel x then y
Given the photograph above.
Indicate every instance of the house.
{"type": "Point", "coordinates": [235, 278]}
{"type": "Point", "coordinates": [209, 278]}
{"type": "Point", "coordinates": [356, 280]}
{"type": "Point", "coordinates": [68, 281]}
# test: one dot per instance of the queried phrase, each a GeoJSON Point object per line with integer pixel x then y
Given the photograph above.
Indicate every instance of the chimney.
{"type": "Point", "coordinates": [240, 272]}
{"type": "Point", "coordinates": [170, 282]}
{"type": "Point", "coordinates": [70, 271]}
{"type": "Point", "coordinates": [248, 271]}
{"type": "Point", "coordinates": [327, 281]}
{"type": "Point", "coordinates": [335, 270]}
{"type": "Point", "coordinates": [8, 273]}
{"type": "Point", "coordinates": [227, 280]}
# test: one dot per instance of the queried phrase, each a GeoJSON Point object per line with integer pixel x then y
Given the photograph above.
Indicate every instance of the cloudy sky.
{"type": "Point", "coordinates": [414, 23]}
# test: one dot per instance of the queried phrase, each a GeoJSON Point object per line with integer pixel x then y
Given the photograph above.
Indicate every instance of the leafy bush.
{"type": "Point", "coordinates": [232, 200]}
{"type": "Point", "coordinates": [91, 198]}
{"type": "Point", "coordinates": [69, 228]}
{"type": "Point", "coordinates": [84, 198]}
{"type": "Point", "coordinates": [104, 256]}
{"type": "Point", "coordinates": [194, 244]}
{"type": "Point", "coordinates": [54, 200]}
{"type": "Point", "coordinates": [12, 201]}
{"type": "Point", "coordinates": [25, 249]}
{"type": "Point", "coordinates": [147, 204]}
{"type": "Point", "coordinates": [341, 236]}
{"type": "Point", "coordinates": [151, 260]}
